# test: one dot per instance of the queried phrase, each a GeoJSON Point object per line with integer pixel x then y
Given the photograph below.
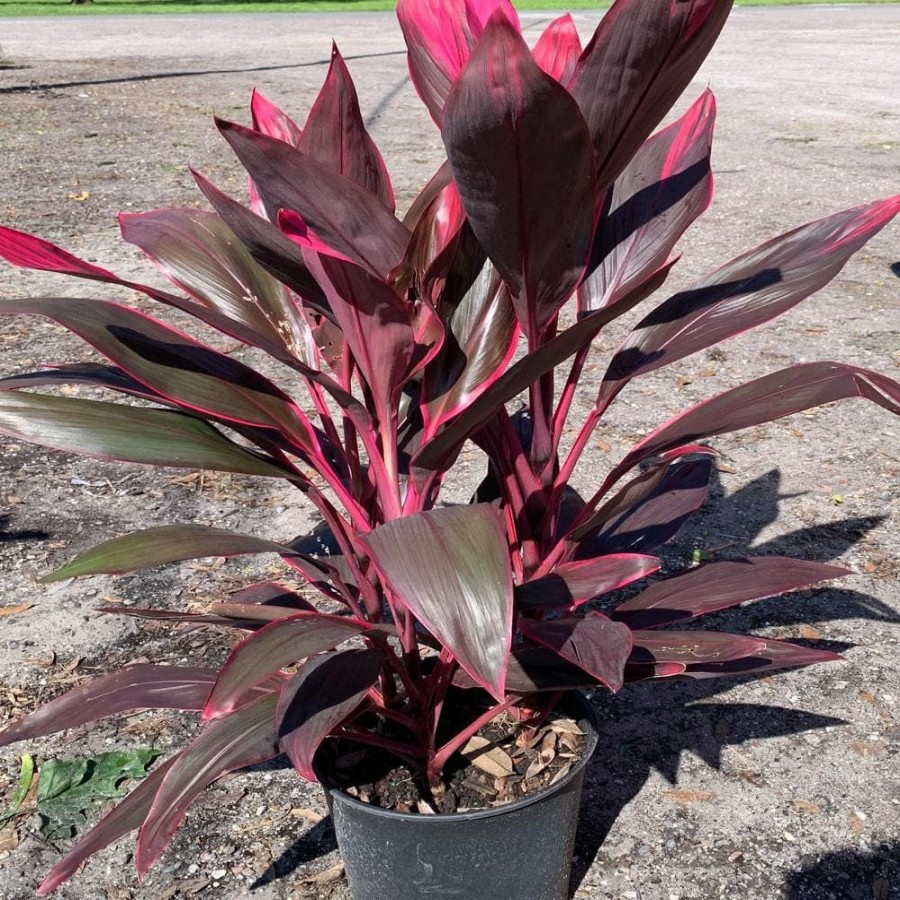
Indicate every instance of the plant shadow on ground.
{"type": "Point", "coordinates": [652, 725]}
{"type": "Point", "coordinates": [30, 534]}
{"type": "Point", "coordinates": [848, 874]}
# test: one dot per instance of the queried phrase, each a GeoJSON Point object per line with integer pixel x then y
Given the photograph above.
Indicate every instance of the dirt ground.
{"type": "Point", "coordinates": [783, 787]}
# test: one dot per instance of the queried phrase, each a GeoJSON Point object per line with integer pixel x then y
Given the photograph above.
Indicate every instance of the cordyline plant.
{"type": "Point", "coordinates": [555, 213]}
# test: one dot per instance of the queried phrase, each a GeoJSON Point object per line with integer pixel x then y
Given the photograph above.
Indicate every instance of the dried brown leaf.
{"type": "Point", "coordinates": [686, 796]}
{"type": "Point", "coordinates": [485, 756]}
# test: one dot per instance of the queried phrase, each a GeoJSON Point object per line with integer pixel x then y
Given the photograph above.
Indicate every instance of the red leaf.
{"type": "Point", "coordinates": [272, 121]}
{"type": "Point", "coordinates": [687, 647]}
{"type": "Point", "coordinates": [641, 57]}
{"type": "Point", "coordinates": [771, 656]}
{"type": "Point", "coordinates": [440, 36]}
{"type": "Point", "coordinates": [132, 687]}
{"type": "Point", "coordinates": [558, 49]}
{"type": "Point", "coordinates": [336, 136]}
{"type": "Point", "coordinates": [719, 585]}
{"type": "Point", "coordinates": [519, 147]}
{"type": "Point", "coordinates": [245, 737]}
{"type": "Point", "coordinates": [321, 696]}
{"type": "Point", "coordinates": [594, 643]}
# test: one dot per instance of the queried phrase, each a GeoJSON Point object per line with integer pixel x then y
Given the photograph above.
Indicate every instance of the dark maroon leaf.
{"type": "Point", "coordinates": [246, 736]}
{"type": "Point", "coordinates": [127, 433]}
{"type": "Point", "coordinates": [139, 686]}
{"type": "Point", "coordinates": [126, 816]}
{"type": "Point", "coordinates": [532, 669]}
{"type": "Point", "coordinates": [322, 695]}
{"type": "Point", "coordinates": [765, 399]}
{"type": "Point", "coordinates": [464, 594]}
{"type": "Point", "coordinates": [692, 647]}
{"type": "Point", "coordinates": [440, 37]}
{"type": "Point", "coordinates": [93, 374]}
{"type": "Point", "coordinates": [271, 594]}
{"type": "Point", "coordinates": [720, 585]}
{"type": "Point", "coordinates": [640, 59]}
{"type": "Point", "coordinates": [346, 216]}
{"type": "Point", "coordinates": [558, 49]}
{"type": "Point", "coordinates": [160, 545]}
{"type": "Point", "coordinates": [518, 147]}
{"type": "Point", "coordinates": [664, 187]}
{"type": "Point", "coordinates": [285, 641]}
{"type": "Point", "coordinates": [438, 182]}
{"type": "Point", "coordinates": [335, 134]}
{"type": "Point", "coordinates": [575, 582]}
{"type": "Point", "coordinates": [748, 291]}
{"type": "Point", "coordinates": [593, 643]}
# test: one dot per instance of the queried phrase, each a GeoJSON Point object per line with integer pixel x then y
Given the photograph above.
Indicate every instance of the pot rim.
{"type": "Point", "coordinates": [586, 715]}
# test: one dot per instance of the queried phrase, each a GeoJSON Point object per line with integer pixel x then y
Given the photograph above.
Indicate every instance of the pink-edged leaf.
{"type": "Point", "coordinates": [771, 656]}
{"type": "Point", "coordinates": [481, 334]}
{"type": "Point", "coordinates": [690, 647]}
{"type": "Point", "coordinates": [279, 644]}
{"type": "Point", "coordinates": [438, 182]}
{"type": "Point", "coordinates": [160, 545]}
{"type": "Point", "coordinates": [93, 374]}
{"type": "Point", "coordinates": [558, 49]}
{"type": "Point", "coordinates": [533, 669]}
{"type": "Point", "coordinates": [718, 586]}
{"type": "Point", "coordinates": [270, 594]}
{"type": "Point", "coordinates": [576, 582]}
{"type": "Point", "coordinates": [748, 291]}
{"type": "Point", "coordinates": [376, 324]}
{"type": "Point", "coordinates": [640, 59]}
{"type": "Point", "coordinates": [156, 437]}
{"type": "Point", "coordinates": [518, 147]}
{"type": "Point", "coordinates": [765, 399]}
{"type": "Point", "coordinates": [665, 186]}
{"type": "Point", "coordinates": [335, 134]}
{"type": "Point", "coordinates": [594, 643]}
{"type": "Point", "coordinates": [346, 216]}
{"type": "Point", "coordinates": [322, 695]}
{"type": "Point", "coordinates": [139, 686]}
{"type": "Point", "coordinates": [29, 252]}
{"type": "Point", "coordinates": [273, 121]}
{"type": "Point", "coordinates": [126, 816]}
{"type": "Point", "coordinates": [521, 374]}
{"type": "Point", "coordinates": [233, 619]}
{"type": "Point", "coordinates": [245, 737]}
{"type": "Point", "coordinates": [450, 568]}
{"type": "Point", "coordinates": [202, 255]}
{"type": "Point", "coordinates": [183, 370]}
{"type": "Point", "coordinates": [440, 36]}
{"type": "Point", "coordinates": [657, 516]}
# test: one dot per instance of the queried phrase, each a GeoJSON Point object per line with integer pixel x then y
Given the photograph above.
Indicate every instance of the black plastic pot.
{"type": "Point", "coordinates": [521, 851]}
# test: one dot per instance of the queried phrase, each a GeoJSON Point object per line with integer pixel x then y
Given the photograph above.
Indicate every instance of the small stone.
{"type": "Point", "coordinates": [218, 874]}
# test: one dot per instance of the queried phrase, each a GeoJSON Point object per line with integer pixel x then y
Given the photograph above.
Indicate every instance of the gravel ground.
{"type": "Point", "coordinates": [783, 787]}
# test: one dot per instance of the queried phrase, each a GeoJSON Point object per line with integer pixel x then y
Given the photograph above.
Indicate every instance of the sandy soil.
{"type": "Point", "coordinates": [774, 788]}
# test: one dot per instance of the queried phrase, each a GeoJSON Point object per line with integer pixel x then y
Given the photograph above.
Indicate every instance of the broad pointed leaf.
{"type": "Point", "coordinates": [126, 816]}
{"type": "Point", "coordinates": [748, 291]}
{"type": "Point", "coordinates": [321, 696]}
{"type": "Point", "coordinates": [273, 121]}
{"type": "Point", "coordinates": [93, 374]}
{"type": "Point", "coordinates": [440, 36]}
{"type": "Point", "coordinates": [765, 399]}
{"type": "Point", "coordinates": [127, 433]}
{"type": "Point", "coordinates": [558, 49]}
{"type": "Point", "coordinates": [719, 585]}
{"type": "Point", "coordinates": [576, 582]}
{"type": "Point", "coordinates": [279, 644]}
{"type": "Point", "coordinates": [203, 256]}
{"type": "Point", "coordinates": [665, 186]}
{"type": "Point", "coordinates": [183, 370]}
{"type": "Point", "coordinates": [532, 669]}
{"type": "Point", "coordinates": [133, 687]}
{"type": "Point", "coordinates": [346, 216]}
{"type": "Point", "coordinates": [245, 737]}
{"type": "Point", "coordinates": [640, 59]}
{"type": "Point", "coordinates": [336, 136]}
{"type": "Point", "coordinates": [450, 568]}
{"type": "Point", "coordinates": [594, 643]}
{"type": "Point", "coordinates": [518, 146]}
{"type": "Point", "coordinates": [688, 647]}
{"type": "Point", "coordinates": [160, 545]}
{"type": "Point", "coordinates": [772, 656]}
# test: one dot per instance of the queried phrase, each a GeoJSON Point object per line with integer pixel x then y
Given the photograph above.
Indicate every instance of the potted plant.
{"type": "Point", "coordinates": [439, 629]}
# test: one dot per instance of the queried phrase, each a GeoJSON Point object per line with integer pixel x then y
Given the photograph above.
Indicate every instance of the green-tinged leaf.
{"type": "Point", "coordinates": [69, 790]}
{"type": "Point", "coordinates": [139, 686]}
{"type": "Point", "coordinates": [160, 545]}
{"type": "Point", "coordinates": [184, 371]}
{"type": "Point", "coordinates": [284, 641]}
{"type": "Point", "coordinates": [450, 568]}
{"type": "Point", "coordinates": [245, 737]}
{"type": "Point", "coordinates": [26, 777]}
{"type": "Point", "coordinates": [321, 696]}
{"type": "Point", "coordinates": [156, 437]}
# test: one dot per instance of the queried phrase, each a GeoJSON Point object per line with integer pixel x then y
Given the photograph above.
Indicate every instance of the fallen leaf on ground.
{"type": "Point", "coordinates": [482, 754]}
{"type": "Point", "coordinates": [12, 610]}
{"type": "Point", "coordinates": [688, 796]}
{"type": "Point", "coordinates": [328, 876]}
